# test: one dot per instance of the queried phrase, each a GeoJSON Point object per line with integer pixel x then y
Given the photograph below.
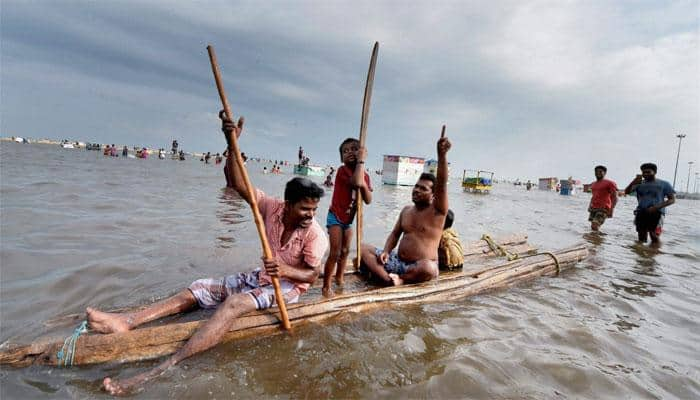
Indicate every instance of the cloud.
{"type": "Point", "coordinates": [525, 88]}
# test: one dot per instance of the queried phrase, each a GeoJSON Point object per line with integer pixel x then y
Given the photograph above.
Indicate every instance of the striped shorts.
{"type": "Point", "coordinates": [211, 292]}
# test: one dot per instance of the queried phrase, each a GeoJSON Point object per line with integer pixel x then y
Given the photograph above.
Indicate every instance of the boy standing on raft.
{"type": "Point", "coordinates": [298, 244]}
{"type": "Point", "coordinates": [651, 207]}
{"type": "Point", "coordinates": [350, 177]}
{"type": "Point", "coordinates": [421, 226]}
{"type": "Point", "coordinates": [603, 199]}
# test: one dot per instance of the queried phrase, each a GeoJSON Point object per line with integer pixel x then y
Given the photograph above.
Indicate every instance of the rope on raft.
{"type": "Point", "coordinates": [67, 353]}
{"type": "Point", "coordinates": [497, 248]}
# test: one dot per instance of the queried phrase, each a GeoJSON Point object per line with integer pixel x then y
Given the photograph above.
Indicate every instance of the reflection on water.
{"type": "Point", "coordinates": [80, 229]}
{"type": "Point", "coordinates": [231, 211]}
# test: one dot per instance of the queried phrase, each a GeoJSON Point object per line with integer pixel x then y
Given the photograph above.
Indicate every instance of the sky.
{"type": "Point", "coordinates": [527, 89]}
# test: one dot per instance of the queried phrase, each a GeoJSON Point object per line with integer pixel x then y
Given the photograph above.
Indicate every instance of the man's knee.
{"type": "Point", "coordinates": [432, 270]}
{"type": "Point", "coordinates": [343, 252]}
{"type": "Point", "coordinates": [428, 269]}
{"type": "Point", "coordinates": [240, 302]}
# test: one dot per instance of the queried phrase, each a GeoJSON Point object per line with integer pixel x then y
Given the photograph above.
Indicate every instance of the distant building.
{"type": "Point", "coordinates": [402, 170]}
{"type": "Point", "coordinates": [548, 183]}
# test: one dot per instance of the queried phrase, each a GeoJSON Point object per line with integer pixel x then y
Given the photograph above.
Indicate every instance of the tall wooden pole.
{"type": "Point", "coordinates": [259, 223]}
{"type": "Point", "coordinates": [363, 133]}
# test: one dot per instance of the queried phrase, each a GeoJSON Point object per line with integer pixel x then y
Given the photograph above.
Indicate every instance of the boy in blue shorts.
{"type": "Point", "coordinates": [349, 177]}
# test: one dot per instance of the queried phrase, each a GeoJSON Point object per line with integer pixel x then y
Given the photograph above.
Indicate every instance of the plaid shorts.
{"type": "Point", "coordinates": [212, 292]}
{"type": "Point", "coordinates": [394, 265]}
{"type": "Point", "coordinates": [598, 215]}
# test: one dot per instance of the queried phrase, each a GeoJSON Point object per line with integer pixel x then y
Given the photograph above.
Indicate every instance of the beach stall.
{"type": "Point", "coordinates": [401, 170]}
{"type": "Point", "coordinates": [430, 167]}
{"type": "Point", "coordinates": [548, 183]}
{"type": "Point", "coordinates": [477, 181]}
{"type": "Point", "coordinates": [569, 186]}
{"type": "Point", "coordinates": [309, 170]}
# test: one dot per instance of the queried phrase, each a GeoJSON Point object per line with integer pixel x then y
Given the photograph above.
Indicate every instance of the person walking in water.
{"type": "Point", "coordinates": [603, 199]}
{"type": "Point", "coordinates": [653, 196]}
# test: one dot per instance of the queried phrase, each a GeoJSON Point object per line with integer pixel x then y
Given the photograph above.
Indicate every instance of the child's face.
{"type": "Point", "coordinates": [349, 153]}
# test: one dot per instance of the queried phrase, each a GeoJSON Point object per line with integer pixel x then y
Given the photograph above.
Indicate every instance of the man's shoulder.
{"type": "Point", "coordinates": [610, 182]}
{"type": "Point", "coordinates": [667, 186]}
{"type": "Point", "coordinates": [316, 232]}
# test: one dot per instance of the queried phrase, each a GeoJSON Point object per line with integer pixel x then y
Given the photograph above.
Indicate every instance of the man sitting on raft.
{"type": "Point", "coordinates": [421, 225]}
{"type": "Point", "coordinates": [298, 244]}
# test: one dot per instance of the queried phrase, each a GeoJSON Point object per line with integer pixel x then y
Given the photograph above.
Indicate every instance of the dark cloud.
{"type": "Point", "coordinates": [526, 88]}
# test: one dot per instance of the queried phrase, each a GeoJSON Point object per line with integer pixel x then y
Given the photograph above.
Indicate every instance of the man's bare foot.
{"type": "Point", "coordinates": [126, 386]}
{"type": "Point", "coordinates": [340, 280]}
{"type": "Point", "coordinates": [396, 280]}
{"type": "Point", "coordinates": [104, 322]}
{"type": "Point", "coordinates": [327, 291]}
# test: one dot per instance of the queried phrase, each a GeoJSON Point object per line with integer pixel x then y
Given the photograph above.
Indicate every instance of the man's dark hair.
{"type": "Point", "coordinates": [648, 165]}
{"type": "Point", "coordinates": [346, 141]}
{"type": "Point", "coordinates": [427, 176]}
{"type": "Point", "coordinates": [299, 188]}
{"type": "Point", "coordinates": [449, 220]}
{"type": "Point", "coordinates": [600, 167]}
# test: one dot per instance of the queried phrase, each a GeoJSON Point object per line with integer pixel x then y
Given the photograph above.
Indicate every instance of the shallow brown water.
{"type": "Point", "coordinates": [79, 229]}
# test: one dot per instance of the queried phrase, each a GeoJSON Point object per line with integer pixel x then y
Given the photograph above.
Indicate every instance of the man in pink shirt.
{"type": "Point", "coordinates": [298, 245]}
{"type": "Point", "coordinates": [603, 200]}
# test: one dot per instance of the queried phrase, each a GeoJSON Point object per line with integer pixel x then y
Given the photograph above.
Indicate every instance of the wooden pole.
{"type": "Point", "coordinates": [363, 133]}
{"type": "Point", "coordinates": [259, 223]}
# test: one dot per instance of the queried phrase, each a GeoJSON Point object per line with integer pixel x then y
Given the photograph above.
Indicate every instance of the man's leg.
{"type": "Point", "coordinates": [207, 336]}
{"type": "Point", "coordinates": [343, 257]}
{"type": "Point", "coordinates": [421, 271]}
{"type": "Point", "coordinates": [335, 239]}
{"type": "Point", "coordinates": [104, 322]}
{"type": "Point", "coordinates": [655, 230]}
{"type": "Point", "coordinates": [639, 223]}
{"type": "Point", "coordinates": [369, 260]}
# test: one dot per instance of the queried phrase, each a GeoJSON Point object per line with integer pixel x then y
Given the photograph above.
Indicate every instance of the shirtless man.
{"type": "Point", "coordinates": [421, 225]}
{"type": "Point", "coordinates": [298, 244]}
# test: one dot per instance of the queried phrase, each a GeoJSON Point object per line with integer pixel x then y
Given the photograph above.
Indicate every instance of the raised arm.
{"type": "Point", "coordinates": [234, 176]}
{"type": "Point", "coordinates": [443, 146]}
{"type": "Point", "coordinates": [637, 180]}
{"type": "Point", "coordinates": [358, 176]}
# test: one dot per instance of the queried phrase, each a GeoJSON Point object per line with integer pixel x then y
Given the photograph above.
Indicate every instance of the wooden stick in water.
{"type": "Point", "coordinates": [363, 133]}
{"type": "Point", "coordinates": [259, 223]}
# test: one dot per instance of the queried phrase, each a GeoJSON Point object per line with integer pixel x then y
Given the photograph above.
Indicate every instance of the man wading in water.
{"type": "Point", "coordinates": [653, 196]}
{"type": "Point", "coordinates": [421, 225]}
{"type": "Point", "coordinates": [298, 244]}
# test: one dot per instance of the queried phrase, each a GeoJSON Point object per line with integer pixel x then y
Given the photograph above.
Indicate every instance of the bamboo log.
{"type": "Point", "coordinates": [259, 223]}
{"type": "Point", "coordinates": [158, 341]}
{"type": "Point", "coordinates": [474, 252]}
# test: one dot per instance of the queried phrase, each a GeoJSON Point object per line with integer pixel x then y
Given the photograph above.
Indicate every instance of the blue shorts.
{"type": "Point", "coordinates": [333, 220]}
{"type": "Point", "coordinates": [394, 265]}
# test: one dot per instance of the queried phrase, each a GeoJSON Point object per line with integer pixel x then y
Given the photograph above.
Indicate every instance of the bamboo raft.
{"type": "Point", "coordinates": [153, 341]}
